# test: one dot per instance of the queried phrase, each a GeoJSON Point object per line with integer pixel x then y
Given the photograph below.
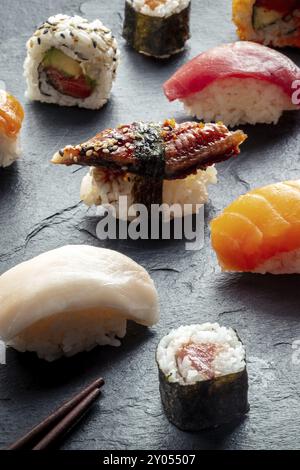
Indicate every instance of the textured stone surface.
{"type": "Point", "coordinates": [40, 210]}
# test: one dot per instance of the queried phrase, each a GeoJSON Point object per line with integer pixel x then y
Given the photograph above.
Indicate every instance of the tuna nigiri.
{"type": "Point", "coordinates": [11, 118]}
{"type": "Point", "coordinates": [236, 83]}
{"type": "Point", "coordinates": [151, 163]}
{"type": "Point", "coordinates": [260, 231]}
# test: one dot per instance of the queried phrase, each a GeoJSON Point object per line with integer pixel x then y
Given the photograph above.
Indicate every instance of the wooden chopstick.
{"type": "Point", "coordinates": [62, 418]}
{"type": "Point", "coordinates": [68, 421]}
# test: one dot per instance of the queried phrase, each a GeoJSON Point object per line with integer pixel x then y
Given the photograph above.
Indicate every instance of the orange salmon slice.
{"type": "Point", "coordinates": [257, 226]}
{"type": "Point", "coordinates": [11, 114]}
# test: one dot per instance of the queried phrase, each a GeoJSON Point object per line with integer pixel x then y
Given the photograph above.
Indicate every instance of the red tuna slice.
{"type": "Point", "coordinates": [235, 60]}
{"type": "Point", "coordinates": [77, 87]}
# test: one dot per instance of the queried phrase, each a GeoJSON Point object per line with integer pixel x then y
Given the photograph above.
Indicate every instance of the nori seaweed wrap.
{"type": "Point", "coordinates": [149, 149]}
{"type": "Point", "coordinates": [203, 377]}
{"type": "Point", "coordinates": [162, 31]}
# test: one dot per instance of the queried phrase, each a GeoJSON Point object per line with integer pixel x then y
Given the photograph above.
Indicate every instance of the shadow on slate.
{"type": "Point", "coordinates": [39, 374]}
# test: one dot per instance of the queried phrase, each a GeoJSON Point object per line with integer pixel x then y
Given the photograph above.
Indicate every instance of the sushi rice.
{"type": "Point", "coordinates": [234, 102]}
{"type": "Point", "coordinates": [10, 149]}
{"type": "Point", "coordinates": [92, 43]}
{"type": "Point", "coordinates": [98, 189]}
{"type": "Point", "coordinates": [70, 334]}
{"type": "Point", "coordinates": [229, 360]}
{"type": "Point", "coordinates": [282, 263]}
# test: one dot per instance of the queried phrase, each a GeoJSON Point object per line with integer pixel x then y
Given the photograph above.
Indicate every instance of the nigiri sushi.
{"type": "Point", "coordinates": [271, 22]}
{"type": "Point", "coordinates": [152, 163]}
{"type": "Point", "coordinates": [238, 83]}
{"type": "Point", "coordinates": [11, 118]}
{"type": "Point", "coordinates": [73, 298]}
{"type": "Point", "coordinates": [260, 231]}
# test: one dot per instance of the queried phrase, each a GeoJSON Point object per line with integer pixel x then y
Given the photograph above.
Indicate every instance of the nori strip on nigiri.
{"type": "Point", "coordinates": [149, 149]}
{"type": "Point", "coordinates": [155, 36]}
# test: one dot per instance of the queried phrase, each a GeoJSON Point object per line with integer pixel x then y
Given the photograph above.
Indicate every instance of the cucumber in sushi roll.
{"type": "Point", "coordinates": [71, 62]}
{"type": "Point", "coordinates": [158, 28]}
{"type": "Point", "coordinates": [203, 376]}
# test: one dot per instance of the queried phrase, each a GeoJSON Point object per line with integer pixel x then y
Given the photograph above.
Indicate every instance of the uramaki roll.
{"type": "Point", "coordinates": [270, 22]}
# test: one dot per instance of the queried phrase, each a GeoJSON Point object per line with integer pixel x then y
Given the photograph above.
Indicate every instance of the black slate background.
{"type": "Point", "coordinates": [40, 210]}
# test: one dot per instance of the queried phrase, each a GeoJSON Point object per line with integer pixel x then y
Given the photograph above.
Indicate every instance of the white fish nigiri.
{"type": "Point", "coordinates": [73, 298]}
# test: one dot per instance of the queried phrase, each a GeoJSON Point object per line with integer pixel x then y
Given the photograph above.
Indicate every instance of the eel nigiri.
{"type": "Point", "coordinates": [237, 83]}
{"type": "Point", "coordinates": [271, 22]}
{"type": "Point", "coordinates": [152, 163]}
{"type": "Point", "coordinates": [260, 231]}
{"type": "Point", "coordinates": [11, 118]}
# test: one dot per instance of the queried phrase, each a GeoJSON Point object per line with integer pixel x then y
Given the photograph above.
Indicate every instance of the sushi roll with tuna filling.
{"type": "Point", "coordinates": [158, 28]}
{"type": "Point", "coordinates": [71, 62]}
{"type": "Point", "coordinates": [11, 118]}
{"type": "Point", "coordinates": [202, 375]}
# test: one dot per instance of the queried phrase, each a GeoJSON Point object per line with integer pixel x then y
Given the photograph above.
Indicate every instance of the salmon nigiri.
{"type": "Point", "coordinates": [11, 118]}
{"type": "Point", "coordinates": [237, 83]}
{"type": "Point", "coordinates": [260, 231]}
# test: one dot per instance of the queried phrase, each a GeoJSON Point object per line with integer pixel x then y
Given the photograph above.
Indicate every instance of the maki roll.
{"type": "Point", "coordinates": [71, 62]}
{"type": "Point", "coordinates": [237, 83]}
{"type": "Point", "coordinates": [158, 28]}
{"type": "Point", "coordinates": [11, 118]}
{"type": "Point", "coordinates": [260, 231]}
{"type": "Point", "coordinates": [270, 22]}
{"type": "Point", "coordinates": [152, 163]}
{"type": "Point", "coordinates": [202, 376]}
